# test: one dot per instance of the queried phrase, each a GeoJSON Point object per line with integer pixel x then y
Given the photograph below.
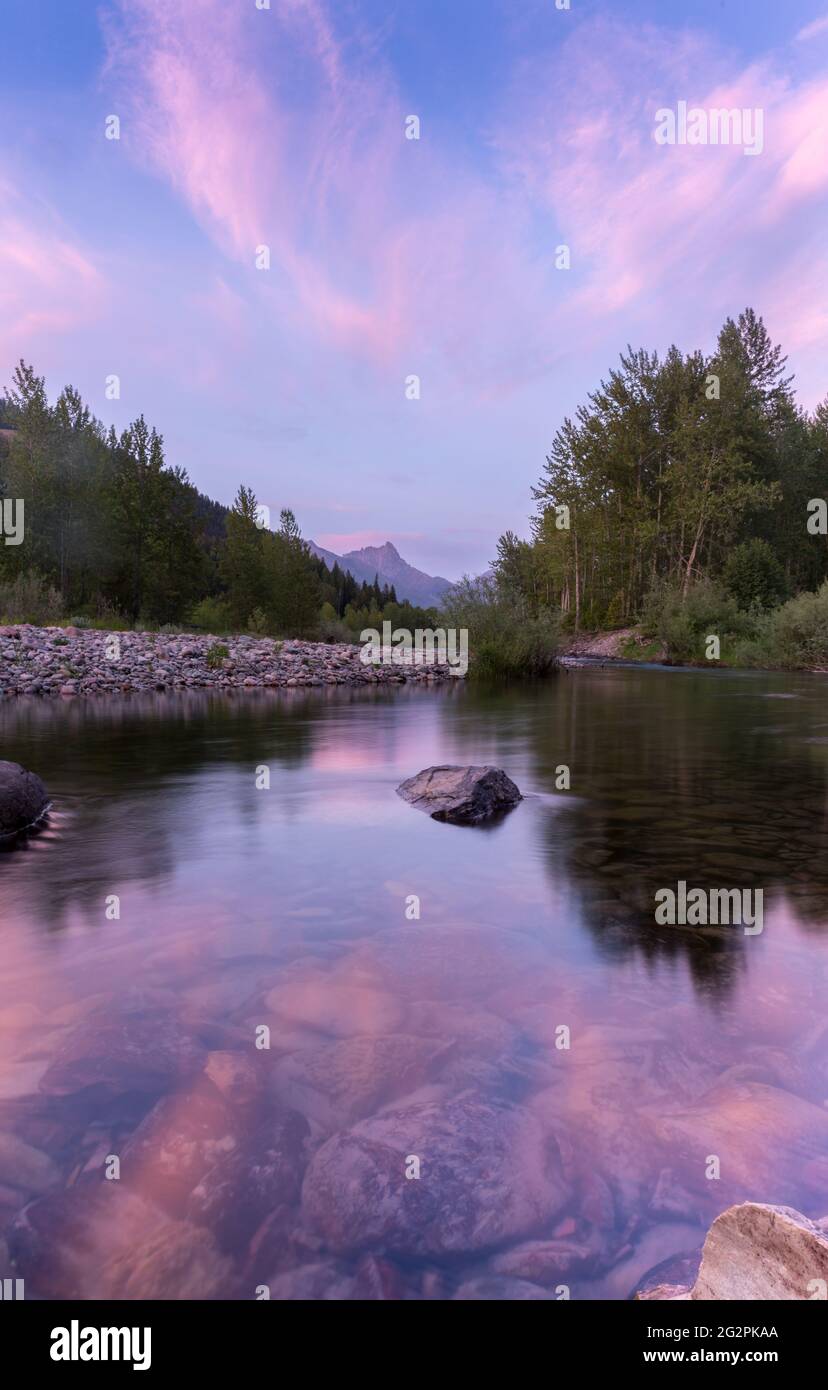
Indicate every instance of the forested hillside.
{"type": "Point", "coordinates": [115, 534]}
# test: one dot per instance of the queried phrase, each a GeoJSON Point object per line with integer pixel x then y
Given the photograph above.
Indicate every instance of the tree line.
{"type": "Point", "coordinates": [677, 470]}
{"type": "Point", "coordinates": [116, 534]}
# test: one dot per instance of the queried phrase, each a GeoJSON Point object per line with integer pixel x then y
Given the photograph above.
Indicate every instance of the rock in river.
{"type": "Point", "coordinates": [754, 1251]}
{"type": "Point", "coordinates": [488, 1174]}
{"type": "Point", "coordinates": [23, 798]}
{"type": "Point", "coordinates": [461, 795]}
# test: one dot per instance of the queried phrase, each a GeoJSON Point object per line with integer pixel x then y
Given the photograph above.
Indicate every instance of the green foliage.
{"type": "Point", "coordinates": [217, 655]}
{"type": "Point", "coordinates": [258, 621]}
{"type": "Point", "coordinates": [506, 637]}
{"type": "Point", "coordinates": [331, 628]}
{"type": "Point", "coordinates": [798, 631]}
{"type": "Point", "coordinates": [666, 471]}
{"type": "Point", "coordinates": [683, 622]}
{"type": "Point", "coordinates": [210, 615]}
{"type": "Point", "coordinates": [30, 598]}
{"type": "Point", "coordinates": [754, 576]}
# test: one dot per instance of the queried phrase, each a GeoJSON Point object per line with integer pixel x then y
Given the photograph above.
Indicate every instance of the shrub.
{"type": "Point", "coordinates": [798, 631]}
{"type": "Point", "coordinates": [331, 628]}
{"type": "Point", "coordinates": [506, 638]}
{"type": "Point", "coordinates": [30, 599]}
{"type": "Point", "coordinates": [754, 576]}
{"type": "Point", "coordinates": [217, 655]}
{"type": "Point", "coordinates": [683, 622]}
{"type": "Point", "coordinates": [210, 615]}
{"type": "Point", "coordinates": [258, 621]}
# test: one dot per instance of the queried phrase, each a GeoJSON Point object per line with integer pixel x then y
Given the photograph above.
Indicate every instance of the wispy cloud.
{"type": "Point", "coordinates": [49, 284]}
{"type": "Point", "coordinates": [812, 30]}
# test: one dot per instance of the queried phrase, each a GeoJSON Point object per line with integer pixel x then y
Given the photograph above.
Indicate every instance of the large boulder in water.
{"type": "Point", "coordinates": [23, 798]}
{"type": "Point", "coordinates": [486, 1174]}
{"type": "Point", "coordinates": [462, 795]}
{"type": "Point", "coordinates": [758, 1252]}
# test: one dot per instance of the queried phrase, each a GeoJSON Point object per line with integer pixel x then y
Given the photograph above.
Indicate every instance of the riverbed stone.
{"type": "Point", "coordinates": [25, 1167]}
{"type": "Point", "coordinates": [140, 1051]}
{"type": "Point", "coordinates": [235, 1194]}
{"type": "Point", "coordinates": [754, 1251]}
{"type": "Point", "coordinates": [460, 795]}
{"type": "Point", "coordinates": [487, 1176]}
{"type": "Point", "coordinates": [725, 1122]}
{"type": "Point", "coordinates": [499, 1289]}
{"type": "Point", "coordinates": [338, 1083]}
{"type": "Point", "coordinates": [23, 798]}
{"type": "Point", "coordinates": [182, 1137]}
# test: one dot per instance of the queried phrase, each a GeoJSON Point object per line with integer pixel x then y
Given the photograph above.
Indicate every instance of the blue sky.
{"type": "Point", "coordinates": [391, 257]}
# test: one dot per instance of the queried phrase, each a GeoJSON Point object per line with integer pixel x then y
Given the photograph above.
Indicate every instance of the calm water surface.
{"type": "Point", "coordinates": [133, 1037]}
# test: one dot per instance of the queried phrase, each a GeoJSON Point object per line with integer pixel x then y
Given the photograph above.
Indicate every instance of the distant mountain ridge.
{"type": "Point", "coordinates": [386, 561]}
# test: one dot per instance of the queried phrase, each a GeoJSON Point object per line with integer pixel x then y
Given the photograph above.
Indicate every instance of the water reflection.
{"type": "Point", "coordinates": [244, 909]}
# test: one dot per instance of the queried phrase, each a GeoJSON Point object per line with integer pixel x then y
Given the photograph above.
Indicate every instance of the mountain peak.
{"type": "Point", "coordinates": [386, 562]}
{"type": "Point", "coordinates": [387, 550]}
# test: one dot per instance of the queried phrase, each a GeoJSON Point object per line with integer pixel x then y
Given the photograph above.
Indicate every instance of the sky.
{"type": "Point", "coordinates": [391, 258]}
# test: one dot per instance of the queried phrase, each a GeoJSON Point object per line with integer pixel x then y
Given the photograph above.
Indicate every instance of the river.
{"type": "Point", "coordinates": [298, 1040]}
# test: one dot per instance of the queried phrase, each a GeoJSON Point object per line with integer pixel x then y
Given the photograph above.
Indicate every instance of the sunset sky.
{"type": "Point", "coordinates": [285, 127]}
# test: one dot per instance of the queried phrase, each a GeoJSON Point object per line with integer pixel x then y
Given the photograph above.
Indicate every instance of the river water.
{"type": "Point", "coordinates": [300, 1040]}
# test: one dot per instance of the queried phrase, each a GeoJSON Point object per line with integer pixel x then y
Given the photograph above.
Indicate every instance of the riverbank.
{"type": "Point", "coordinates": [629, 644]}
{"type": "Point", "coordinates": [55, 661]}
{"type": "Point", "coordinates": [621, 644]}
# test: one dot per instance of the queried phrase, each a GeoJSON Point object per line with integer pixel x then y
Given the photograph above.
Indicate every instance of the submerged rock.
{"type": "Point", "coordinates": [341, 1082]}
{"type": "Point", "coordinates": [488, 1175]}
{"type": "Point", "coordinates": [146, 1052]}
{"type": "Point", "coordinates": [181, 1138]}
{"type": "Point", "coordinates": [100, 1241]}
{"type": "Point", "coordinates": [461, 795]}
{"type": "Point", "coordinates": [754, 1251]}
{"type": "Point", "coordinates": [501, 1290]}
{"type": "Point", "coordinates": [23, 798]}
{"type": "Point", "coordinates": [234, 1196]}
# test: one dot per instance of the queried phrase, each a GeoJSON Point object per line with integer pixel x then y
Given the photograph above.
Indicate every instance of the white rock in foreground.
{"type": "Point", "coordinates": [757, 1252]}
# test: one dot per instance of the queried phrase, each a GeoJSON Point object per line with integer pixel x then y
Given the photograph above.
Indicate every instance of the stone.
{"type": "Point", "coordinates": [235, 1194]}
{"type": "Point", "coordinates": [543, 1261]}
{"type": "Point", "coordinates": [321, 1281]}
{"type": "Point", "coordinates": [338, 1083]}
{"type": "Point", "coordinates": [23, 799]}
{"type": "Point", "coordinates": [725, 1121]}
{"type": "Point", "coordinates": [757, 1252]}
{"type": "Point", "coordinates": [334, 1005]}
{"type": "Point", "coordinates": [460, 795]}
{"type": "Point", "coordinates": [488, 1289]}
{"type": "Point", "coordinates": [25, 1167]}
{"type": "Point", "coordinates": [177, 1262]}
{"type": "Point", "coordinates": [182, 1137]}
{"type": "Point", "coordinates": [145, 1051]}
{"type": "Point", "coordinates": [487, 1176]}
{"type": "Point", "coordinates": [60, 1243]}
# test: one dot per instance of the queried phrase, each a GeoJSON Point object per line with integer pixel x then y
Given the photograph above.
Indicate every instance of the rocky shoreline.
{"type": "Point", "coordinates": [67, 661]}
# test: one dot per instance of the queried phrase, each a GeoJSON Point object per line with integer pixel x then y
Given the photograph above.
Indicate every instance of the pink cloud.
{"type": "Point", "coordinates": [274, 131]}
{"type": "Point", "coordinates": [48, 285]}
{"type": "Point", "coordinates": [343, 541]}
{"type": "Point", "coordinates": [668, 235]}
{"type": "Point", "coordinates": [810, 31]}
